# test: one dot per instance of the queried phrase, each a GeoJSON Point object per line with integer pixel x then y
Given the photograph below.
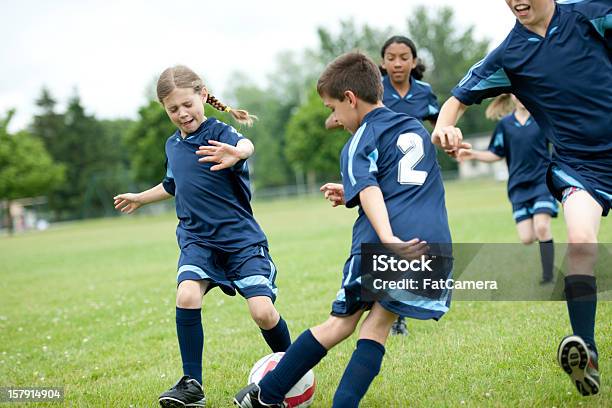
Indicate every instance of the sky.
{"type": "Point", "coordinates": [110, 52]}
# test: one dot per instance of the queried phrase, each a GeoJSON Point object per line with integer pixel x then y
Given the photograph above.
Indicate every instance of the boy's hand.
{"type": "Point", "coordinates": [127, 202]}
{"type": "Point", "coordinates": [222, 153]}
{"type": "Point", "coordinates": [447, 137]}
{"type": "Point", "coordinates": [412, 249]}
{"type": "Point", "coordinates": [333, 192]}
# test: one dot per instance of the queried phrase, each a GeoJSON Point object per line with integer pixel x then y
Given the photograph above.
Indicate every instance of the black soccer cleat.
{"type": "Point", "coordinates": [580, 363]}
{"type": "Point", "coordinates": [248, 397]}
{"type": "Point", "coordinates": [399, 327]}
{"type": "Point", "coordinates": [187, 392]}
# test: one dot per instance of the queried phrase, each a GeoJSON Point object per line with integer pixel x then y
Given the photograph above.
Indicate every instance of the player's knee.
{"type": "Point", "coordinates": [542, 231]}
{"type": "Point", "coordinates": [581, 236]}
{"type": "Point", "coordinates": [341, 327]}
{"type": "Point", "coordinates": [527, 239]}
{"type": "Point", "coordinates": [188, 297]}
{"type": "Point", "coordinates": [265, 317]}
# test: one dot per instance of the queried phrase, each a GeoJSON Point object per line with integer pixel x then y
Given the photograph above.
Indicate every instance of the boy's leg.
{"type": "Point", "coordinates": [306, 352]}
{"type": "Point", "coordinates": [524, 228]}
{"type": "Point", "coordinates": [273, 327]}
{"type": "Point", "coordinates": [577, 354]}
{"type": "Point", "coordinates": [543, 233]}
{"type": "Point", "coordinates": [366, 360]}
{"type": "Point", "coordinates": [582, 217]}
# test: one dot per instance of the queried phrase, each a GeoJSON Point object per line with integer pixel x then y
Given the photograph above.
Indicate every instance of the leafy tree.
{"type": "Point", "coordinates": [449, 54]}
{"type": "Point", "coordinates": [310, 147]}
{"type": "Point", "coordinates": [26, 168]}
{"type": "Point", "coordinates": [91, 151]}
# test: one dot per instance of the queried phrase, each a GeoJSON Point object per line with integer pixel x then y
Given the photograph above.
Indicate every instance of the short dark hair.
{"type": "Point", "coordinates": [351, 72]}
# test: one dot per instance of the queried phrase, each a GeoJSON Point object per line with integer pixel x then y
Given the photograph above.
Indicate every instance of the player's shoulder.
{"type": "Point", "coordinates": [588, 10]}
{"type": "Point", "coordinates": [423, 84]}
{"type": "Point", "coordinates": [173, 138]}
{"type": "Point", "coordinates": [218, 128]}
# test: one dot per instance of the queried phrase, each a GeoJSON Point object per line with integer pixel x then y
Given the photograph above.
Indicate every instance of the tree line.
{"type": "Point", "coordinates": [79, 161]}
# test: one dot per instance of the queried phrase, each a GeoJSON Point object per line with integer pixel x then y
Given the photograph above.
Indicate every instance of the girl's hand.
{"type": "Point", "coordinates": [127, 202]}
{"type": "Point", "coordinates": [464, 154]}
{"type": "Point", "coordinates": [333, 192]}
{"type": "Point", "coordinates": [222, 153]}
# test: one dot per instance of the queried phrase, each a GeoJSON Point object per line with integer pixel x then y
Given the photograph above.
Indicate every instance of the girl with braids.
{"type": "Point", "coordinates": [220, 242]}
{"type": "Point", "coordinates": [519, 139]}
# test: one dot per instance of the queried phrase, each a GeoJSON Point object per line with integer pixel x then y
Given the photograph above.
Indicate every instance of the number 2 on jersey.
{"type": "Point", "coordinates": [411, 146]}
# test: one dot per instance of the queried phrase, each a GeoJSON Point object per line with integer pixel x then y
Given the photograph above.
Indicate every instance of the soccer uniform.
{"type": "Point", "coordinates": [564, 81]}
{"type": "Point", "coordinates": [420, 102]}
{"type": "Point", "coordinates": [219, 239]}
{"type": "Point", "coordinates": [394, 152]}
{"type": "Point", "coordinates": [527, 156]}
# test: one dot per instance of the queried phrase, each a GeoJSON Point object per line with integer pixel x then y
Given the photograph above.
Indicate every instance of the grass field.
{"type": "Point", "coordinates": [90, 306]}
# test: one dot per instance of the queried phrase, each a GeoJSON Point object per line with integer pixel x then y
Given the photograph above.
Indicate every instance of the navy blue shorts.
{"type": "Point", "coordinates": [542, 204]}
{"type": "Point", "coordinates": [593, 177]}
{"type": "Point", "coordinates": [348, 297]}
{"type": "Point", "coordinates": [249, 271]}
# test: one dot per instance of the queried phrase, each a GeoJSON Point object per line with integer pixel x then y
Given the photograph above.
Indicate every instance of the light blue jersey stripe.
{"type": "Point", "coordinates": [603, 193]}
{"type": "Point", "coordinates": [350, 272]}
{"type": "Point", "coordinates": [519, 213]}
{"type": "Point", "coordinates": [568, 179]}
{"type": "Point", "coordinates": [373, 161]}
{"type": "Point", "coordinates": [192, 268]}
{"type": "Point", "coordinates": [469, 74]}
{"type": "Point", "coordinates": [545, 204]}
{"type": "Point", "coordinates": [602, 24]}
{"type": "Point", "coordinates": [351, 152]}
{"type": "Point", "coordinates": [498, 79]}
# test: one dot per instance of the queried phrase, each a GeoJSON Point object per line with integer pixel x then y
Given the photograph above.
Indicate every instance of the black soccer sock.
{"type": "Point", "coordinates": [547, 256]}
{"type": "Point", "coordinates": [191, 340]}
{"type": "Point", "coordinates": [361, 370]}
{"type": "Point", "coordinates": [301, 356]}
{"type": "Point", "coordinates": [278, 337]}
{"type": "Point", "coordinates": [581, 297]}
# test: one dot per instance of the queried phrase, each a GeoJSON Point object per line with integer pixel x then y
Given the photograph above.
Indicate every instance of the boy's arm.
{"type": "Point", "coordinates": [445, 134]}
{"type": "Point", "coordinates": [130, 202]}
{"type": "Point", "coordinates": [373, 204]}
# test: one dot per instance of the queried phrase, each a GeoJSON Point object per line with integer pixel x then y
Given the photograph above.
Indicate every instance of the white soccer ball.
{"type": "Point", "coordinates": [302, 393]}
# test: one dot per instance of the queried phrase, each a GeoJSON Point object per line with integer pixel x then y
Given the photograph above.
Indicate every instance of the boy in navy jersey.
{"type": "Point", "coordinates": [557, 60]}
{"type": "Point", "coordinates": [389, 170]}
{"type": "Point", "coordinates": [403, 92]}
{"type": "Point", "coordinates": [518, 138]}
{"type": "Point", "coordinates": [221, 243]}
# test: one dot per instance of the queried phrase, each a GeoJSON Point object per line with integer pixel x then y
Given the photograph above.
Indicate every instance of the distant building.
{"type": "Point", "coordinates": [473, 169]}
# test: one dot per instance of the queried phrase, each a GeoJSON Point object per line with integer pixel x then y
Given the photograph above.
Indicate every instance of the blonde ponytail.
{"type": "Point", "coordinates": [500, 107]}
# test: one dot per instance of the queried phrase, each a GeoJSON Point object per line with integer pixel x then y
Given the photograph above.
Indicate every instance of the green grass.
{"type": "Point", "coordinates": [90, 306]}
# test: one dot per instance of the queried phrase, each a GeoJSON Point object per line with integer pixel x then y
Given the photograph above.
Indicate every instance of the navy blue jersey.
{"type": "Point", "coordinates": [213, 207]}
{"type": "Point", "coordinates": [526, 151]}
{"type": "Point", "coordinates": [420, 102]}
{"type": "Point", "coordinates": [394, 152]}
{"type": "Point", "coordinates": [563, 79]}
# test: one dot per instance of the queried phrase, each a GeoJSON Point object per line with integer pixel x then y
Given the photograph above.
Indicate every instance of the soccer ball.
{"type": "Point", "coordinates": [302, 393]}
